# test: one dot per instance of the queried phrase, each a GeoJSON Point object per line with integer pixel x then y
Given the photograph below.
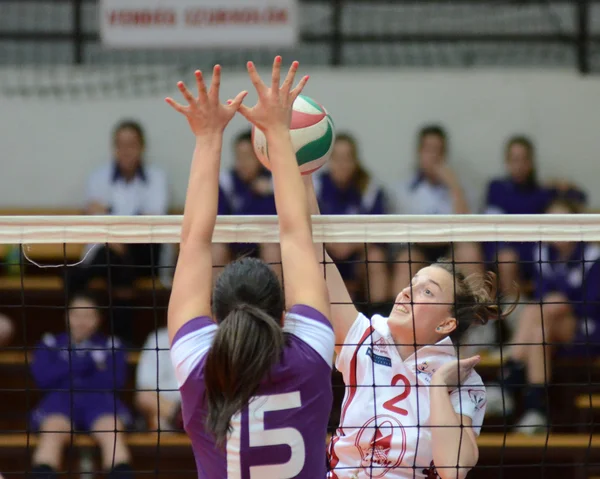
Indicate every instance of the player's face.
{"type": "Point", "coordinates": [423, 305]}
{"type": "Point", "coordinates": [83, 319]}
{"type": "Point", "coordinates": [518, 163]}
{"type": "Point", "coordinates": [342, 164]}
{"type": "Point", "coordinates": [247, 166]}
{"type": "Point", "coordinates": [128, 150]}
{"type": "Point", "coordinates": [431, 153]}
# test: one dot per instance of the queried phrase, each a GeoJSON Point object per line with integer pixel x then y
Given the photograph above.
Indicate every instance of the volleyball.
{"type": "Point", "coordinates": [312, 132]}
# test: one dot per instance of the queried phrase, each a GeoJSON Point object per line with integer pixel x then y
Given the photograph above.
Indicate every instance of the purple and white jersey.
{"type": "Point", "coordinates": [281, 432]}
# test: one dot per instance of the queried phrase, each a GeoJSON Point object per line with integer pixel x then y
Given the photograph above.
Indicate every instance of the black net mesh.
{"type": "Point", "coordinates": [126, 380]}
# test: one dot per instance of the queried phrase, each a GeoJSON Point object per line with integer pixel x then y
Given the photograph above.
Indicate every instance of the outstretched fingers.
{"type": "Point", "coordinates": [236, 103]}
{"type": "Point", "coordinates": [289, 79]}
{"type": "Point", "coordinates": [301, 84]}
{"type": "Point", "coordinates": [176, 106]}
{"type": "Point", "coordinates": [186, 93]}
{"type": "Point", "coordinates": [215, 84]}
{"type": "Point", "coordinates": [261, 88]}
{"type": "Point", "coordinates": [276, 74]}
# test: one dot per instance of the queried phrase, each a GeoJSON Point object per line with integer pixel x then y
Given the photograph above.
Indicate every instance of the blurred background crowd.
{"type": "Point", "coordinates": [494, 115]}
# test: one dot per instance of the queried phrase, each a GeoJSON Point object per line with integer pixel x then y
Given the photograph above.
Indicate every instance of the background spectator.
{"type": "Point", "coordinates": [158, 397]}
{"type": "Point", "coordinates": [347, 188]}
{"type": "Point", "coordinates": [79, 372]}
{"type": "Point", "coordinates": [125, 186]}
{"type": "Point", "coordinates": [434, 189]}
{"type": "Point", "coordinates": [567, 287]}
{"type": "Point", "coordinates": [520, 193]}
{"type": "Point", "coordinates": [246, 189]}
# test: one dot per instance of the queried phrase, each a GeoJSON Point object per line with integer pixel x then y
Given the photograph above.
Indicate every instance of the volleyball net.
{"type": "Point", "coordinates": [49, 262]}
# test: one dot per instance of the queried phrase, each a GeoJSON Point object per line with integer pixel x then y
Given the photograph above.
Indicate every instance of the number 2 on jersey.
{"type": "Point", "coordinates": [390, 405]}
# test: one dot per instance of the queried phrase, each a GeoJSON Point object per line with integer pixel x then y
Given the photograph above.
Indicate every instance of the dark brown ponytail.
{"type": "Point", "coordinates": [248, 343]}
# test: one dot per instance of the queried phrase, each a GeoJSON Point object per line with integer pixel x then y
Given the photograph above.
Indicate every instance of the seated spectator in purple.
{"type": "Point", "coordinates": [79, 373]}
{"type": "Point", "coordinates": [347, 188]}
{"type": "Point", "coordinates": [125, 186]}
{"type": "Point", "coordinates": [7, 330]}
{"type": "Point", "coordinates": [157, 396]}
{"type": "Point", "coordinates": [520, 193]}
{"type": "Point", "coordinates": [434, 190]}
{"type": "Point", "coordinates": [567, 288]}
{"type": "Point", "coordinates": [246, 189]}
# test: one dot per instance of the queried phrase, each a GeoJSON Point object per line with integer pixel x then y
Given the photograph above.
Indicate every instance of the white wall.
{"type": "Point", "coordinates": [49, 146]}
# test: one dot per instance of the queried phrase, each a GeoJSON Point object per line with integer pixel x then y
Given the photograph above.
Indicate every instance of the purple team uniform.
{"type": "Point", "coordinates": [504, 196]}
{"type": "Point", "coordinates": [348, 201]}
{"type": "Point", "coordinates": [238, 198]}
{"type": "Point", "coordinates": [79, 381]}
{"type": "Point", "coordinates": [282, 431]}
{"type": "Point", "coordinates": [579, 280]}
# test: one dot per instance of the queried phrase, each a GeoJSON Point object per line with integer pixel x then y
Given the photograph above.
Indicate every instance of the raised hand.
{"type": "Point", "coordinates": [452, 374]}
{"type": "Point", "coordinates": [274, 107]}
{"type": "Point", "coordinates": [205, 114]}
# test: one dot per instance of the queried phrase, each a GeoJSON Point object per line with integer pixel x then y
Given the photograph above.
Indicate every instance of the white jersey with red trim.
{"type": "Point", "coordinates": [384, 427]}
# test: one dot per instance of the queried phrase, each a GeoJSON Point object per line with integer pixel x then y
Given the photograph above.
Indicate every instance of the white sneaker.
{"type": "Point", "coordinates": [533, 422]}
{"type": "Point", "coordinates": [499, 402]}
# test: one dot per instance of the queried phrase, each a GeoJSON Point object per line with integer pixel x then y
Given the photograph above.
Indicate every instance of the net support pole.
{"type": "Point", "coordinates": [583, 36]}
{"type": "Point", "coordinates": [77, 21]}
{"type": "Point", "coordinates": [336, 32]}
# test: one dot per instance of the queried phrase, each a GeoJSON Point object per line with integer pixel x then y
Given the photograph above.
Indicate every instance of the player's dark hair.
{"type": "Point", "coordinates": [527, 143]}
{"type": "Point", "coordinates": [433, 130]}
{"type": "Point", "coordinates": [361, 176]}
{"type": "Point", "coordinates": [475, 299]}
{"type": "Point", "coordinates": [130, 125]}
{"type": "Point", "coordinates": [248, 305]}
{"type": "Point", "coordinates": [242, 137]}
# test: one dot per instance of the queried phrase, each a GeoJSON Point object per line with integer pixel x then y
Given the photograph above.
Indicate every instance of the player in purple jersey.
{"type": "Point", "coordinates": [255, 380]}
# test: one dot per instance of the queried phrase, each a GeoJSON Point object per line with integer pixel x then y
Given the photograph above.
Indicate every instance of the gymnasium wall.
{"type": "Point", "coordinates": [50, 144]}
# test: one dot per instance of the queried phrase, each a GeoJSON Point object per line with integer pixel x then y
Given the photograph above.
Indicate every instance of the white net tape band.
{"type": "Point", "coordinates": [331, 229]}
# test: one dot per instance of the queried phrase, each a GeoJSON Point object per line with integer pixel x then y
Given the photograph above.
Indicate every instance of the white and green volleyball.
{"type": "Point", "coordinates": [312, 132]}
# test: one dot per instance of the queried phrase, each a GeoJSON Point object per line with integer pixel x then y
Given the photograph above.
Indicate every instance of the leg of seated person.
{"type": "Point", "coordinates": [108, 432]}
{"type": "Point", "coordinates": [270, 253]}
{"type": "Point", "coordinates": [553, 322]}
{"type": "Point", "coordinates": [54, 436]}
{"type": "Point", "coordinates": [147, 403]}
{"type": "Point", "coordinates": [157, 409]}
{"type": "Point", "coordinates": [377, 274]}
{"type": "Point", "coordinates": [348, 257]}
{"type": "Point", "coordinates": [408, 262]}
{"type": "Point", "coordinates": [6, 330]}
{"type": "Point", "coordinates": [508, 270]}
{"type": "Point", "coordinates": [469, 258]}
{"type": "Point", "coordinates": [221, 256]}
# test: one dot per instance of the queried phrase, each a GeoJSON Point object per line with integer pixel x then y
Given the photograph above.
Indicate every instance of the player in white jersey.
{"type": "Point", "coordinates": [407, 395]}
{"type": "Point", "coordinates": [254, 373]}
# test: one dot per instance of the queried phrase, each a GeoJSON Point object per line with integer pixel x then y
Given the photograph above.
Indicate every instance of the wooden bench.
{"type": "Point", "coordinates": [587, 401]}
{"type": "Point", "coordinates": [485, 441]}
{"type": "Point", "coordinates": [56, 283]}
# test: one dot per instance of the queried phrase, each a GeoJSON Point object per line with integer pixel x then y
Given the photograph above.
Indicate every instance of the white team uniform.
{"type": "Point", "coordinates": [384, 427]}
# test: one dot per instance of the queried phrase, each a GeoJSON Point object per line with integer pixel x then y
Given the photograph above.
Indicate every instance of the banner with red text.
{"type": "Point", "coordinates": [198, 23]}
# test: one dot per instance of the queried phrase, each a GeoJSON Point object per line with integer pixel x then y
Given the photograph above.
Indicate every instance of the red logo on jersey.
{"type": "Point", "coordinates": [380, 346]}
{"type": "Point", "coordinates": [382, 445]}
{"type": "Point", "coordinates": [478, 398]}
